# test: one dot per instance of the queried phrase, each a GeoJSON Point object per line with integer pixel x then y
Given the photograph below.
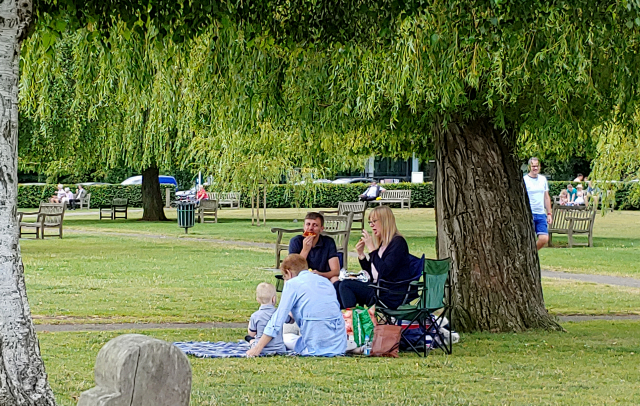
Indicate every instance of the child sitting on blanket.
{"type": "Point", "coordinates": [266, 296]}
{"type": "Point", "coordinates": [312, 300]}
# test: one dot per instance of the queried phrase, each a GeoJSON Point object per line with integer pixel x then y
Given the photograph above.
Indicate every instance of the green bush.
{"type": "Point", "coordinates": [32, 195]}
{"type": "Point", "coordinates": [329, 195]}
{"type": "Point", "coordinates": [285, 196]}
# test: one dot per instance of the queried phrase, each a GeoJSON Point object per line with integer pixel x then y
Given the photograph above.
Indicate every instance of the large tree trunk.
{"type": "Point", "coordinates": [152, 202]}
{"type": "Point", "coordinates": [23, 380]}
{"type": "Point", "coordinates": [484, 224]}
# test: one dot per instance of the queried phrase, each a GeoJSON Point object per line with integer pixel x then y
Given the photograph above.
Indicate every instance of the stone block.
{"type": "Point", "coordinates": [136, 370]}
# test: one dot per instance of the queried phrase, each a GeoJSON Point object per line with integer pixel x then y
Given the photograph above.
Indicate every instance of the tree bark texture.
{"type": "Point", "coordinates": [152, 205]}
{"type": "Point", "coordinates": [485, 226]}
{"type": "Point", "coordinates": [23, 380]}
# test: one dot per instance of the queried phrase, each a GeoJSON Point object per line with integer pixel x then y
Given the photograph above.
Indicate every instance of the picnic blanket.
{"type": "Point", "coordinates": [219, 349]}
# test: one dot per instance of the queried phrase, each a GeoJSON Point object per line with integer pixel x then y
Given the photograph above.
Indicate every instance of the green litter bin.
{"type": "Point", "coordinates": [186, 215]}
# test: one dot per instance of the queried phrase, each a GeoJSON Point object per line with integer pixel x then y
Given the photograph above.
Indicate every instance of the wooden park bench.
{"type": "Point", "coordinates": [572, 220]}
{"type": "Point", "coordinates": [207, 208]}
{"type": "Point", "coordinates": [85, 201]}
{"type": "Point", "coordinates": [337, 227]}
{"type": "Point", "coordinates": [226, 198]}
{"type": "Point", "coordinates": [49, 215]}
{"type": "Point", "coordinates": [357, 208]}
{"type": "Point", "coordinates": [117, 206]}
{"type": "Point", "coordinates": [394, 196]}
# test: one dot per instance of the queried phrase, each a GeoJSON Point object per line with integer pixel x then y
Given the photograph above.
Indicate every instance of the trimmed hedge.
{"type": "Point", "coordinates": [285, 196]}
{"type": "Point", "coordinates": [32, 195]}
{"type": "Point", "coordinates": [329, 195]}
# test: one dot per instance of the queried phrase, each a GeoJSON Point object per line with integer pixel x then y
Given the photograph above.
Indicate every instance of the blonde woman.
{"type": "Point", "coordinates": [388, 261]}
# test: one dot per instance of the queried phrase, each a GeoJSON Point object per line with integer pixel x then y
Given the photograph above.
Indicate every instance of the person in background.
{"type": "Point", "coordinates": [593, 194]}
{"type": "Point", "coordinates": [580, 196]}
{"type": "Point", "coordinates": [579, 178]}
{"type": "Point", "coordinates": [201, 194]}
{"type": "Point", "coordinates": [60, 194]}
{"type": "Point", "coordinates": [372, 192]}
{"type": "Point", "coordinates": [538, 191]}
{"type": "Point", "coordinates": [571, 191]}
{"type": "Point", "coordinates": [68, 196]}
{"type": "Point", "coordinates": [564, 198]}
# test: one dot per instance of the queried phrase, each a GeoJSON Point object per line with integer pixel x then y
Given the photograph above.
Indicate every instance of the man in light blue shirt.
{"type": "Point", "coordinates": [538, 191]}
{"type": "Point", "coordinates": [312, 300]}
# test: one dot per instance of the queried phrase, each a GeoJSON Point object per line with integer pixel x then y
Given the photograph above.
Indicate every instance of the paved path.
{"type": "Point", "coordinates": [603, 279]}
{"type": "Point", "coordinates": [54, 328]}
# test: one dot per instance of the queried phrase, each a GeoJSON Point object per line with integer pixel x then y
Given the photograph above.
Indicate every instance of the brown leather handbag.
{"type": "Point", "coordinates": [386, 340]}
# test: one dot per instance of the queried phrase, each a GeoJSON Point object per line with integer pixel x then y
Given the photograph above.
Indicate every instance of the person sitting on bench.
{"type": "Point", "coordinates": [372, 192]}
{"type": "Point", "coordinates": [318, 250]}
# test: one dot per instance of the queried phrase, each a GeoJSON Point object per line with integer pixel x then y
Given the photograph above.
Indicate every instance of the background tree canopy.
{"type": "Point", "coordinates": [279, 85]}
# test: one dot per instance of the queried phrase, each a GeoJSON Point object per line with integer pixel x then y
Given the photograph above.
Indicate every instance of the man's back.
{"type": "Point", "coordinates": [313, 302]}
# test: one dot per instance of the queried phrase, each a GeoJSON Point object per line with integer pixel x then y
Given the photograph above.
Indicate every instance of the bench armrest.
{"type": "Point", "coordinates": [328, 211]}
{"type": "Point", "coordinates": [287, 230]}
{"type": "Point", "coordinates": [331, 233]}
{"type": "Point", "coordinates": [28, 213]}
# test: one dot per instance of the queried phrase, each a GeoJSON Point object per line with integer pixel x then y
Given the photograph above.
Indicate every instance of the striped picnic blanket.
{"type": "Point", "coordinates": [220, 349]}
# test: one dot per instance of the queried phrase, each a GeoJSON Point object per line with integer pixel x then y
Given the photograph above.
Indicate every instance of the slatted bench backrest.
{"type": "Point", "coordinates": [357, 208]}
{"type": "Point", "coordinates": [561, 216]}
{"type": "Point", "coordinates": [395, 194]}
{"type": "Point", "coordinates": [52, 208]}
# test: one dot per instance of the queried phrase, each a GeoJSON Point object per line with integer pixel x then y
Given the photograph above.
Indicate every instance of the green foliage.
{"type": "Point", "coordinates": [252, 94]}
{"type": "Point", "coordinates": [30, 196]}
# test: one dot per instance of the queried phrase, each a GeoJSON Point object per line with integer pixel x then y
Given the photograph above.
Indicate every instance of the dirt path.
{"type": "Point", "coordinates": [57, 328]}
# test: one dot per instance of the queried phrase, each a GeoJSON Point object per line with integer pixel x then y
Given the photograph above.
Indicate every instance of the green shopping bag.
{"type": "Point", "coordinates": [362, 325]}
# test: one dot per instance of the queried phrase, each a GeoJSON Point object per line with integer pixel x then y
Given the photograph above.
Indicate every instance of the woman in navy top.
{"type": "Point", "coordinates": [388, 261]}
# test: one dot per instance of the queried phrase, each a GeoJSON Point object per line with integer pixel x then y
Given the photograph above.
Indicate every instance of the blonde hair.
{"type": "Point", "coordinates": [387, 224]}
{"type": "Point", "coordinates": [265, 293]}
{"type": "Point", "coordinates": [294, 263]}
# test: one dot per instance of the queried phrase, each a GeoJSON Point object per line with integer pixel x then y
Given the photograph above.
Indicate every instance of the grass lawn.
{"type": "Point", "coordinates": [615, 252]}
{"type": "Point", "coordinates": [594, 363]}
{"type": "Point", "coordinates": [96, 279]}
{"type": "Point", "coordinates": [131, 271]}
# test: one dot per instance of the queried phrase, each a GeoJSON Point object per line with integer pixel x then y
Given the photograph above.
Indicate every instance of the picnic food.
{"type": "Point", "coordinates": [308, 233]}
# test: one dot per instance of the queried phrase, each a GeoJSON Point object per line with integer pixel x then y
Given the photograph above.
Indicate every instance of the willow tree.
{"type": "Point", "coordinates": [471, 78]}
{"type": "Point", "coordinates": [23, 380]}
